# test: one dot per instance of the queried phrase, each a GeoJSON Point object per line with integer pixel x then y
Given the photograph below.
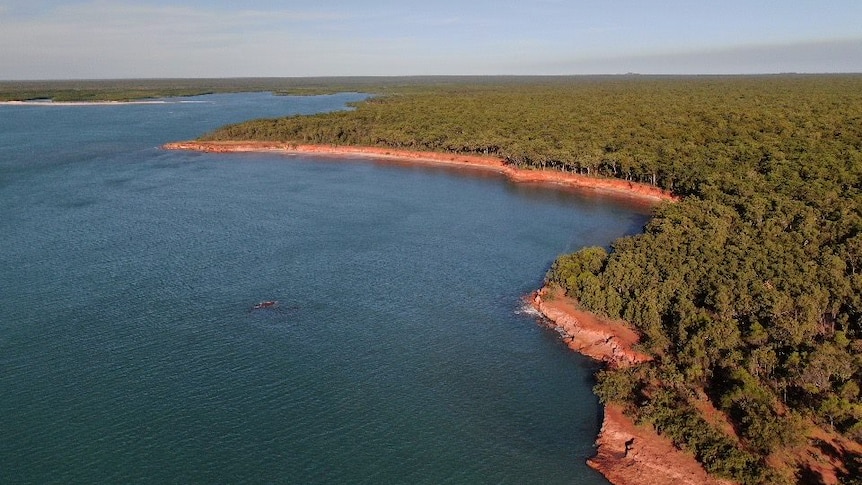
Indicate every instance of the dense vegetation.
{"type": "Point", "coordinates": [748, 292]}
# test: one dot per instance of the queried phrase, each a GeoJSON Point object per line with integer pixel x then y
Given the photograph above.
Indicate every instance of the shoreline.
{"type": "Point", "coordinates": [607, 186]}
{"type": "Point", "coordinates": [91, 103]}
{"type": "Point", "coordinates": [609, 342]}
{"type": "Point", "coordinates": [626, 454]}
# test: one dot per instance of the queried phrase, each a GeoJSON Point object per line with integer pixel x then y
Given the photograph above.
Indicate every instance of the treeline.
{"type": "Point", "coordinates": [748, 292]}
{"type": "Point", "coordinates": [664, 131]}
{"type": "Point", "coordinates": [133, 89]}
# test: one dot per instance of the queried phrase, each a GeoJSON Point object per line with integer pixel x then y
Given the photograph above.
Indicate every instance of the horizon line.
{"type": "Point", "coordinates": [407, 76]}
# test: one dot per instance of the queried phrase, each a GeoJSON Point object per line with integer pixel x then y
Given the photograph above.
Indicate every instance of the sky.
{"type": "Point", "coordinates": [100, 39]}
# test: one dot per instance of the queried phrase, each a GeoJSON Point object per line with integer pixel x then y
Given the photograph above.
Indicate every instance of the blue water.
{"type": "Point", "coordinates": [399, 353]}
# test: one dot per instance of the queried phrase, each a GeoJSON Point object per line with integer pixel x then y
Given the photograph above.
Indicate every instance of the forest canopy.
{"type": "Point", "coordinates": [748, 291]}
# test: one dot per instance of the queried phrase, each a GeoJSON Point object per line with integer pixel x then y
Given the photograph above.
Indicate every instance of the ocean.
{"type": "Point", "coordinates": [399, 350]}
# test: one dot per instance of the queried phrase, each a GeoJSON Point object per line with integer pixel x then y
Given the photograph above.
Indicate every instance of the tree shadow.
{"type": "Point", "coordinates": [808, 476]}
{"type": "Point", "coordinates": [849, 470]}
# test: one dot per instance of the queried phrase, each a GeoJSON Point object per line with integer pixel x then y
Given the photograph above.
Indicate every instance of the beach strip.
{"type": "Point", "coordinates": [608, 186]}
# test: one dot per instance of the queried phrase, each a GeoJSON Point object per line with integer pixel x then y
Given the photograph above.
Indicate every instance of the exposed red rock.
{"type": "Point", "coordinates": [583, 332]}
{"type": "Point", "coordinates": [616, 187]}
{"type": "Point", "coordinates": [635, 455]}
{"type": "Point", "coordinates": [626, 454]}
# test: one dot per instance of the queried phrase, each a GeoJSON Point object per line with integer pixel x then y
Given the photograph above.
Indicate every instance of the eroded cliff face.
{"type": "Point", "coordinates": [626, 454]}
{"type": "Point", "coordinates": [583, 332]}
{"type": "Point", "coordinates": [634, 455]}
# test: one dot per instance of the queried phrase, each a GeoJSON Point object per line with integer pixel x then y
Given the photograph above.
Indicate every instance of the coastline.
{"type": "Point", "coordinates": [609, 342]}
{"type": "Point", "coordinates": [608, 186]}
{"type": "Point", "coordinates": [90, 103]}
{"type": "Point", "coordinates": [626, 454]}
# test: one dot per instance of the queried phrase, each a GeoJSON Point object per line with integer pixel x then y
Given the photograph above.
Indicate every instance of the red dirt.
{"type": "Point", "coordinates": [650, 460]}
{"type": "Point", "coordinates": [712, 415]}
{"type": "Point", "coordinates": [584, 332]}
{"type": "Point", "coordinates": [822, 457]}
{"type": "Point", "coordinates": [604, 185]}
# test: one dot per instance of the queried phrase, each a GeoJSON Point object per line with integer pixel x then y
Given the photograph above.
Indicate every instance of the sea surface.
{"type": "Point", "coordinates": [399, 352]}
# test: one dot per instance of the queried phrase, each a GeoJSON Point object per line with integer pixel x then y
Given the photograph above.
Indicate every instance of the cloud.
{"type": "Point", "coordinates": [111, 39]}
{"type": "Point", "coordinates": [821, 56]}
{"type": "Point", "coordinates": [108, 39]}
{"type": "Point", "coordinates": [103, 39]}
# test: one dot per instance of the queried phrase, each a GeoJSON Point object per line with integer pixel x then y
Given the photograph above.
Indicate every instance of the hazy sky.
{"type": "Point", "coordinates": [54, 39]}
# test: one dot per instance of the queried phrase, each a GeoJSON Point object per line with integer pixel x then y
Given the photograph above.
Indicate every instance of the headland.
{"type": "Point", "coordinates": [626, 454]}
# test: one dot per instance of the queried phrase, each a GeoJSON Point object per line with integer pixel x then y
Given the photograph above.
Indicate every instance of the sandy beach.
{"type": "Point", "coordinates": [608, 186]}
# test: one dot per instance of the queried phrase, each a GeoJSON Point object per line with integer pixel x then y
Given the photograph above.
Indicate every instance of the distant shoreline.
{"type": "Point", "coordinates": [48, 103]}
{"type": "Point", "coordinates": [610, 186]}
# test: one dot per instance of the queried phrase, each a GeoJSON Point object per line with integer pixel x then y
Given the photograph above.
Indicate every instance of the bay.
{"type": "Point", "coordinates": [399, 351]}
